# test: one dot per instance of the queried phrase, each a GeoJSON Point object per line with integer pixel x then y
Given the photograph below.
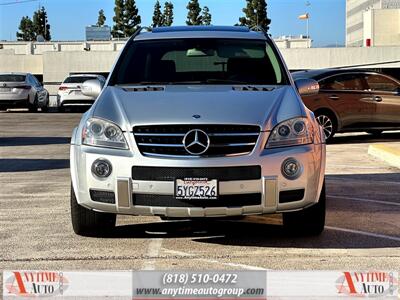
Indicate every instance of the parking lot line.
{"type": "Point", "coordinates": [370, 234]}
{"type": "Point", "coordinates": [153, 250]}
{"type": "Point", "coordinates": [213, 261]}
{"type": "Point", "coordinates": [364, 200]}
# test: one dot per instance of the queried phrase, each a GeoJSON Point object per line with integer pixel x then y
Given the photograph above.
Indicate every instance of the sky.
{"type": "Point", "coordinates": [68, 18]}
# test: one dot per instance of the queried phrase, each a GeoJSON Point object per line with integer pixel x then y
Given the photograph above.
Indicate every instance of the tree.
{"type": "Point", "coordinates": [126, 18]}
{"type": "Point", "coordinates": [118, 28]}
{"type": "Point", "coordinates": [255, 14]}
{"type": "Point", "coordinates": [194, 10]}
{"type": "Point", "coordinates": [101, 19]}
{"type": "Point", "coordinates": [158, 18]}
{"type": "Point", "coordinates": [26, 31]}
{"type": "Point", "coordinates": [41, 25]}
{"type": "Point", "coordinates": [168, 15]}
{"type": "Point", "coordinates": [206, 16]}
{"type": "Point", "coordinates": [132, 18]}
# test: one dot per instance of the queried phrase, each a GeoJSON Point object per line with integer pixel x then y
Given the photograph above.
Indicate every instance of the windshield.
{"type": "Point", "coordinates": [12, 78]}
{"type": "Point", "coordinates": [199, 61]}
{"type": "Point", "coordinates": [78, 79]}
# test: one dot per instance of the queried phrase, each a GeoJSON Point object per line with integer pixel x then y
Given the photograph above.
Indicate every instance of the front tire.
{"type": "Point", "coordinates": [87, 222]}
{"type": "Point", "coordinates": [310, 221]}
{"type": "Point", "coordinates": [33, 107]}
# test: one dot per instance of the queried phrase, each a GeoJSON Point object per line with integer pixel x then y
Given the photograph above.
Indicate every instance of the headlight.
{"type": "Point", "coordinates": [101, 133]}
{"type": "Point", "coordinates": [297, 131]}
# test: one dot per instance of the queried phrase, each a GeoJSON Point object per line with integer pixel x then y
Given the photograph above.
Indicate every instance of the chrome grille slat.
{"type": "Point", "coordinates": [160, 134]}
{"type": "Point", "coordinates": [234, 145]}
{"type": "Point", "coordinates": [160, 145]}
{"type": "Point", "coordinates": [167, 140]}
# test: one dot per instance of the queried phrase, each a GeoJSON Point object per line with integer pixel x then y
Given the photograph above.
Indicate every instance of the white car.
{"type": "Point", "coordinates": [22, 90]}
{"type": "Point", "coordinates": [70, 92]}
{"type": "Point", "coordinates": [198, 122]}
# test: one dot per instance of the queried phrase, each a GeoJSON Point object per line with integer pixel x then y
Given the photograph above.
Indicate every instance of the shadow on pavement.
{"type": "Point", "coordinates": [235, 233]}
{"type": "Point", "coordinates": [362, 138]}
{"type": "Point", "coordinates": [10, 165]}
{"type": "Point", "coordinates": [33, 141]}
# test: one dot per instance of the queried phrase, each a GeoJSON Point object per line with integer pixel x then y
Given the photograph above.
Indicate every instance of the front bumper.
{"type": "Point", "coordinates": [269, 186]}
{"type": "Point", "coordinates": [73, 100]}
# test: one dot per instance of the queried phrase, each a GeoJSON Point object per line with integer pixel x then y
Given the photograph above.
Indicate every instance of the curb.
{"type": "Point", "coordinates": [391, 155]}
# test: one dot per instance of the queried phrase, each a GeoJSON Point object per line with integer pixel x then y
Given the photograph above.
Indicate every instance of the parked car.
{"type": "Point", "coordinates": [354, 100]}
{"type": "Point", "coordinates": [22, 90]}
{"type": "Point", "coordinates": [198, 122]}
{"type": "Point", "coordinates": [70, 93]}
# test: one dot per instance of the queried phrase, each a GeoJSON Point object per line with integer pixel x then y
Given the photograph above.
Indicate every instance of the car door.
{"type": "Point", "coordinates": [384, 91]}
{"type": "Point", "coordinates": [345, 94]}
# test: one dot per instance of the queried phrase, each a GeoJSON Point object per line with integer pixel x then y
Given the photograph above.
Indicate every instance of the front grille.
{"type": "Point", "coordinates": [223, 201]}
{"type": "Point", "coordinates": [220, 173]}
{"type": "Point", "coordinates": [167, 140]}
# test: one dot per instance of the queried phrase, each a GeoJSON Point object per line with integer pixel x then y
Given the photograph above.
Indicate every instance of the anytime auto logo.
{"type": "Point", "coordinates": [36, 283]}
{"type": "Point", "coordinates": [367, 284]}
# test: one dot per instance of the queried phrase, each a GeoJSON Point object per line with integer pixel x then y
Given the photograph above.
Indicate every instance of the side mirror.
{"type": "Point", "coordinates": [92, 88]}
{"type": "Point", "coordinates": [307, 87]}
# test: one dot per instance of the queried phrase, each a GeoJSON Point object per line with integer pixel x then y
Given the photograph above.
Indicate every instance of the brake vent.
{"type": "Point", "coordinates": [145, 89]}
{"type": "Point", "coordinates": [252, 89]}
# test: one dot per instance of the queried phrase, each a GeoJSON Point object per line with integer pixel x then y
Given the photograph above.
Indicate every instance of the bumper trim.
{"type": "Point", "coordinates": [124, 192]}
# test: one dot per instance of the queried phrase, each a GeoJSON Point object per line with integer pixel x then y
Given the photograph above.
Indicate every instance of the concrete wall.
{"type": "Point", "coordinates": [316, 58]}
{"type": "Point", "coordinates": [21, 63]}
{"type": "Point", "coordinates": [40, 48]}
{"type": "Point", "coordinates": [55, 65]}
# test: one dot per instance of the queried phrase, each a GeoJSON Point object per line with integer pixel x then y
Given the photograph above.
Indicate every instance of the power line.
{"type": "Point", "coordinates": [17, 2]}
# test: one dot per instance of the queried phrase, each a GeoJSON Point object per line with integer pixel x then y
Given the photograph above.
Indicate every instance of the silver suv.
{"type": "Point", "coordinates": [198, 122]}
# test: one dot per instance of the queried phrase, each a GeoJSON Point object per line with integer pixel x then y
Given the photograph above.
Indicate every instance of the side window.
{"type": "Point", "coordinates": [381, 83]}
{"type": "Point", "coordinates": [35, 81]}
{"type": "Point", "coordinates": [344, 82]}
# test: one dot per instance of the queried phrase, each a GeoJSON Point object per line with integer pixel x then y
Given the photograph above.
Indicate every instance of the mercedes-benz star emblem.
{"type": "Point", "coordinates": [196, 142]}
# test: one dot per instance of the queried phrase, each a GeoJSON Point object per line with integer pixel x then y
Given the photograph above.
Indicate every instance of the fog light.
{"type": "Point", "coordinates": [101, 168]}
{"type": "Point", "coordinates": [291, 169]}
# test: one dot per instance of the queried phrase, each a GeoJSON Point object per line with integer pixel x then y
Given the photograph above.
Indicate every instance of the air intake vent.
{"type": "Point", "coordinates": [252, 89]}
{"type": "Point", "coordinates": [224, 139]}
{"type": "Point", "coordinates": [145, 89]}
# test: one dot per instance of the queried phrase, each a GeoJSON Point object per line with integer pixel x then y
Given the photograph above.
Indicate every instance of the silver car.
{"type": "Point", "coordinates": [198, 122]}
{"type": "Point", "coordinates": [22, 90]}
{"type": "Point", "coordinates": [70, 93]}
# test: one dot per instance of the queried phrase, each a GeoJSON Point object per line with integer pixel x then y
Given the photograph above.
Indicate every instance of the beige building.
{"type": "Point", "coordinates": [367, 20]}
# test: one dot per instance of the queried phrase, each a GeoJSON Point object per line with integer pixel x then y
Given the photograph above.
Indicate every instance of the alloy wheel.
{"type": "Point", "coordinates": [326, 124]}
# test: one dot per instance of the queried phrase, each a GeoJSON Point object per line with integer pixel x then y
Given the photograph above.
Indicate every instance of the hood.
{"type": "Point", "coordinates": [129, 107]}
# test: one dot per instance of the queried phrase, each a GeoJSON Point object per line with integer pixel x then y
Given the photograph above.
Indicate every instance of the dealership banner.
{"type": "Point", "coordinates": [153, 285]}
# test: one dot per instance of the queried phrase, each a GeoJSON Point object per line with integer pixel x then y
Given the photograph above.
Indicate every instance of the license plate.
{"type": "Point", "coordinates": [5, 90]}
{"type": "Point", "coordinates": [196, 189]}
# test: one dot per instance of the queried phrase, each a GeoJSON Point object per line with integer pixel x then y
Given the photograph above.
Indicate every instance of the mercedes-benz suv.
{"type": "Point", "coordinates": [198, 122]}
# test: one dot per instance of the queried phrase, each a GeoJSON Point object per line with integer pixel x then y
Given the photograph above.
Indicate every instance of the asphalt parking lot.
{"type": "Point", "coordinates": [363, 224]}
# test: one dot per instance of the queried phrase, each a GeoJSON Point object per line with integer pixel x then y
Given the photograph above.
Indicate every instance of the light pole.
{"type": "Point", "coordinates": [308, 4]}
